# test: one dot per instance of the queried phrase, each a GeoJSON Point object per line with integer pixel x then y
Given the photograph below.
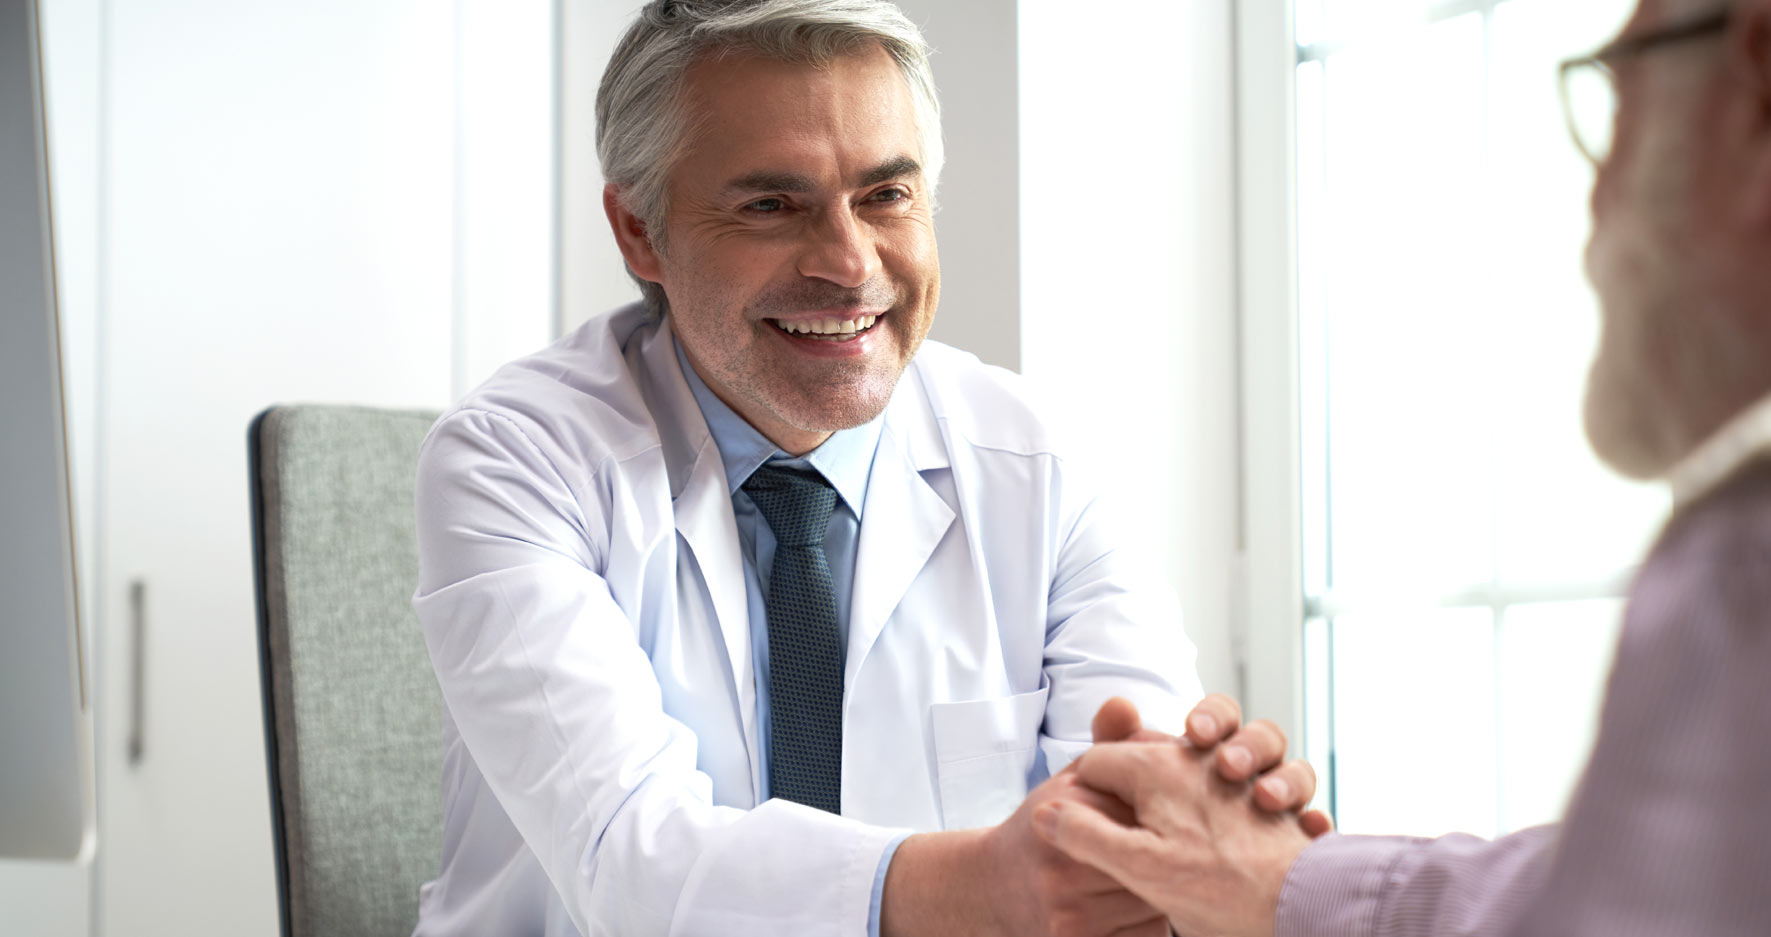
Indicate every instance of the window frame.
{"type": "Point", "coordinates": [1267, 630]}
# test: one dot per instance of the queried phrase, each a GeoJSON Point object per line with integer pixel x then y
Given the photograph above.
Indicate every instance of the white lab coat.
{"type": "Point", "coordinates": [581, 594]}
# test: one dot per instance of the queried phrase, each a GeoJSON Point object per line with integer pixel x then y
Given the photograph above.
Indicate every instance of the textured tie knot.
{"type": "Point", "coordinates": [796, 505]}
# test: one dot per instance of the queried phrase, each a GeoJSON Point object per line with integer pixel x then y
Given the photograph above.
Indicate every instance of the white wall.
{"type": "Point", "coordinates": [978, 220]}
{"type": "Point", "coordinates": [592, 277]}
{"type": "Point", "coordinates": [505, 262]}
{"type": "Point", "coordinates": [1128, 275]}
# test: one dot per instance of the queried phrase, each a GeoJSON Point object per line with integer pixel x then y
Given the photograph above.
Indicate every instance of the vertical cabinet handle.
{"type": "Point", "coordinates": [138, 634]}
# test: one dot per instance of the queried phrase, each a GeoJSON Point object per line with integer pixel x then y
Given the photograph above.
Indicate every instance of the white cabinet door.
{"type": "Point", "coordinates": [279, 228]}
{"type": "Point", "coordinates": [256, 202]}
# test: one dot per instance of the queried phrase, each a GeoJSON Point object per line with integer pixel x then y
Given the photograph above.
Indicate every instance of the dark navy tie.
{"type": "Point", "coordinates": [805, 647]}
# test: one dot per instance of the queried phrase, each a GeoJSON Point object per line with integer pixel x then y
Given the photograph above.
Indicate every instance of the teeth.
{"type": "Point", "coordinates": [828, 326]}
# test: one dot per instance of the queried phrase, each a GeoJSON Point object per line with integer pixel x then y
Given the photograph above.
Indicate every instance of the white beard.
{"type": "Point", "coordinates": [1680, 350]}
{"type": "Point", "coordinates": [1626, 398]}
{"type": "Point", "coordinates": [1651, 365]}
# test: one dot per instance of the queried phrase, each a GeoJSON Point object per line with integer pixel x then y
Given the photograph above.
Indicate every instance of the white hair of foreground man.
{"type": "Point", "coordinates": [641, 124]}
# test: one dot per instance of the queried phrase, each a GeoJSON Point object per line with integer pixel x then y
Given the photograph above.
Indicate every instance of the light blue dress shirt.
{"type": "Point", "coordinates": [844, 460]}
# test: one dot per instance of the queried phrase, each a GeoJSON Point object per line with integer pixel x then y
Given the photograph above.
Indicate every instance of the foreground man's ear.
{"type": "Point", "coordinates": [1749, 61]}
{"type": "Point", "coordinates": [631, 237]}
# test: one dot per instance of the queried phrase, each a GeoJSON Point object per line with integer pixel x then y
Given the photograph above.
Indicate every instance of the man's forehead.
{"type": "Point", "coordinates": [764, 123]}
{"type": "Point", "coordinates": [1652, 14]}
{"type": "Point", "coordinates": [714, 70]}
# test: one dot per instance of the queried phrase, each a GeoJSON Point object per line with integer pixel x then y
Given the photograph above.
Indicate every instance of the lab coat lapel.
{"type": "Point", "coordinates": [904, 518]}
{"type": "Point", "coordinates": [703, 508]}
{"type": "Point", "coordinates": [704, 519]}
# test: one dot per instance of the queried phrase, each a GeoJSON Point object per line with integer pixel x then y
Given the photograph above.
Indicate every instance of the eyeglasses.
{"type": "Point", "coordinates": [1589, 83]}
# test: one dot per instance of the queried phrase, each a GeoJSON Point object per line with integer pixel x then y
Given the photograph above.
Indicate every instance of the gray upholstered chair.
{"type": "Point", "coordinates": [352, 711]}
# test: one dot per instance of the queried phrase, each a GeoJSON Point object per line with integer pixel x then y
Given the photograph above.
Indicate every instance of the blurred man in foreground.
{"type": "Point", "coordinates": [1668, 832]}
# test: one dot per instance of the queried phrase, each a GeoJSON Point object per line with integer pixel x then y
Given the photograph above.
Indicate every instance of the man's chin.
{"type": "Point", "coordinates": [1622, 429]}
{"type": "Point", "coordinates": [1627, 417]}
{"type": "Point", "coordinates": [825, 418]}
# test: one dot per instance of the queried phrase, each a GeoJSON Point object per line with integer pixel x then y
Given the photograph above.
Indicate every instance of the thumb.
{"type": "Point", "coordinates": [1088, 836]}
{"type": "Point", "coordinates": [1316, 823]}
{"type": "Point", "coordinates": [1117, 720]}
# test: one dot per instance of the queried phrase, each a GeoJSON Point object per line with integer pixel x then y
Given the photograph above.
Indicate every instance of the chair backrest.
{"type": "Point", "coordinates": [353, 716]}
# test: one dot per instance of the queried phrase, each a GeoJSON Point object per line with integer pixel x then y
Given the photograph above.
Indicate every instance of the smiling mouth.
{"type": "Point", "coordinates": [829, 329]}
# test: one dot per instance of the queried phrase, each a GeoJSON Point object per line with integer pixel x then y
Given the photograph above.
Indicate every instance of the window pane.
{"type": "Point", "coordinates": [1309, 21]}
{"type": "Point", "coordinates": [1410, 363]}
{"type": "Point", "coordinates": [1445, 330]}
{"type": "Point", "coordinates": [1348, 18]}
{"type": "Point", "coordinates": [1554, 659]}
{"type": "Point", "coordinates": [1414, 722]}
{"type": "Point", "coordinates": [1561, 515]}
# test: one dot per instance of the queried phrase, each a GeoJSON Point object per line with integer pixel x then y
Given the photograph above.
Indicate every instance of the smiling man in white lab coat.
{"type": "Point", "coordinates": [670, 708]}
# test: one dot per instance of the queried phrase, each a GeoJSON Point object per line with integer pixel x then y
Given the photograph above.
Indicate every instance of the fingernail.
{"type": "Point", "coordinates": [1205, 725]}
{"type": "Point", "coordinates": [1277, 787]}
{"type": "Point", "coordinates": [1238, 758]}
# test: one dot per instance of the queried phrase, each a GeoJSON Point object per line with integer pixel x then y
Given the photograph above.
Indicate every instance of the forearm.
{"type": "Point", "coordinates": [1392, 886]}
{"type": "Point", "coordinates": [936, 884]}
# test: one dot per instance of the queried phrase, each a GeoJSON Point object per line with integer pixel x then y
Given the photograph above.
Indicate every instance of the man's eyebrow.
{"type": "Point", "coordinates": [767, 181]}
{"type": "Point", "coordinates": [792, 182]}
{"type": "Point", "coordinates": [895, 168]}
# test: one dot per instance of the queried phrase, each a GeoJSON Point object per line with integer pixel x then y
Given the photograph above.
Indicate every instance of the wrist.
{"type": "Point", "coordinates": [937, 883]}
{"type": "Point", "coordinates": [1260, 866]}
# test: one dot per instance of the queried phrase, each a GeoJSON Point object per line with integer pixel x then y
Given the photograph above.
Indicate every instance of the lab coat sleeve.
{"type": "Point", "coordinates": [557, 703]}
{"type": "Point", "coordinates": [1112, 629]}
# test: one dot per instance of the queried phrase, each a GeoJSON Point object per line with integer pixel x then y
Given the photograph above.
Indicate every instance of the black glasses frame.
{"type": "Point", "coordinates": [1605, 58]}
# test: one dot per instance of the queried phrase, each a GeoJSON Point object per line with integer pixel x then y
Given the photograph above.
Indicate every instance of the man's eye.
{"type": "Point", "coordinates": [890, 195]}
{"type": "Point", "coordinates": [767, 205]}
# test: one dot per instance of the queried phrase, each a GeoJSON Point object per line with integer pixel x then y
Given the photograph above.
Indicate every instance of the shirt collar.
{"type": "Point", "coordinates": [845, 459]}
{"type": "Point", "coordinates": [1742, 439]}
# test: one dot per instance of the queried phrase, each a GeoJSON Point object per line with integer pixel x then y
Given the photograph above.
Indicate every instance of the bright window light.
{"type": "Point", "coordinates": [1464, 552]}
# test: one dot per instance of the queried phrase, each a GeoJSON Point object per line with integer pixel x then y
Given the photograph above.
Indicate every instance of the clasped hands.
{"type": "Point", "coordinates": [1142, 833]}
{"type": "Point", "coordinates": [1202, 830]}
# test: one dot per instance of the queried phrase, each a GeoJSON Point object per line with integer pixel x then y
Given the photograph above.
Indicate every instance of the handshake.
{"type": "Point", "coordinates": [1142, 834]}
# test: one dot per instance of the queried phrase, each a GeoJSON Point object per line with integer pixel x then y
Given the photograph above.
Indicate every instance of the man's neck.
{"type": "Point", "coordinates": [1741, 438]}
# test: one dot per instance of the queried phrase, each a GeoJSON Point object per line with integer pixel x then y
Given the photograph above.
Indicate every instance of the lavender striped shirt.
{"type": "Point", "coordinates": [1669, 831]}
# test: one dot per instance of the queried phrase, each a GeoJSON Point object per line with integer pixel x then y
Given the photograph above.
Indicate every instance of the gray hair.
{"type": "Point", "coordinates": [642, 125]}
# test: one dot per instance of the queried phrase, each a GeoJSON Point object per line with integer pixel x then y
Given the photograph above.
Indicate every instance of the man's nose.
{"type": "Point", "coordinates": [840, 248]}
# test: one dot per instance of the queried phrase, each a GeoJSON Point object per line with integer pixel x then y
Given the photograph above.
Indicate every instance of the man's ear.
{"type": "Point", "coordinates": [631, 237]}
{"type": "Point", "coordinates": [1749, 58]}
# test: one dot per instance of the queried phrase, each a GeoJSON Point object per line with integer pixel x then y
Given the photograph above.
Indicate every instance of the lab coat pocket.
{"type": "Point", "coordinates": [984, 752]}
